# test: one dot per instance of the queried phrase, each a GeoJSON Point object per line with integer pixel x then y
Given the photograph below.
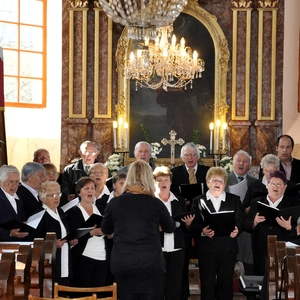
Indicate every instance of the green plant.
{"type": "Point", "coordinates": [147, 136]}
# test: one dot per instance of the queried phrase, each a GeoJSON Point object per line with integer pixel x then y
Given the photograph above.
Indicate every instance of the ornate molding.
{"type": "Point", "coordinates": [267, 3]}
{"type": "Point", "coordinates": [97, 5]}
{"type": "Point", "coordinates": [121, 54]}
{"type": "Point", "coordinates": [225, 54]}
{"type": "Point", "coordinates": [241, 3]}
{"type": "Point", "coordinates": [78, 3]}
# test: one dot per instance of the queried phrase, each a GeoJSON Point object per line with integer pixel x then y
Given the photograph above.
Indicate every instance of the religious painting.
{"type": "Point", "coordinates": [182, 110]}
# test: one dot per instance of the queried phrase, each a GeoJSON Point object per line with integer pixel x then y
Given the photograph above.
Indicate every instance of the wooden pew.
{"type": "Point", "coordinates": [7, 274]}
{"type": "Point", "coordinates": [279, 255]}
{"type": "Point", "coordinates": [37, 267]}
{"type": "Point", "coordinates": [49, 264]}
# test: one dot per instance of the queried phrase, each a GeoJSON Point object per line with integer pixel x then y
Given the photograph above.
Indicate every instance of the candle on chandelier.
{"type": "Point", "coordinates": [120, 132]}
{"type": "Point", "coordinates": [126, 135]}
{"type": "Point", "coordinates": [115, 126]}
{"type": "Point", "coordinates": [224, 135]}
{"type": "Point", "coordinates": [218, 124]}
{"type": "Point", "coordinates": [195, 57]}
{"type": "Point", "coordinates": [211, 128]}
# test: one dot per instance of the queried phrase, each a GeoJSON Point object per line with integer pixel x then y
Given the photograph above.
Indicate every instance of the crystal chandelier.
{"type": "Point", "coordinates": [162, 63]}
{"type": "Point", "coordinates": [143, 16]}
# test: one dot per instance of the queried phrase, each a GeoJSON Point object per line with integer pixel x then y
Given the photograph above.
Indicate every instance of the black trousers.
{"type": "Point", "coordinates": [173, 278]}
{"type": "Point", "coordinates": [216, 275]}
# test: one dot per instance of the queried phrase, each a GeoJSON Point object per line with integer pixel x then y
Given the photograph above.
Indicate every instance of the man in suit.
{"type": "Point", "coordinates": [72, 173]}
{"type": "Point", "coordinates": [33, 174]}
{"type": "Point", "coordinates": [288, 165]}
{"type": "Point", "coordinates": [11, 205]}
{"type": "Point", "coordinates": [241, 165]}
{"type": "Point", "coordinates": [190, 155]}
{"type": "Point", "coordinates": [142, 150]}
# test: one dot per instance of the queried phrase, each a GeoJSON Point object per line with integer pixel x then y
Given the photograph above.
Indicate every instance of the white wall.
{"type": "Point", "coordinates": [30, 129]}
{"type": "Point", "coordinates": [291, 116]}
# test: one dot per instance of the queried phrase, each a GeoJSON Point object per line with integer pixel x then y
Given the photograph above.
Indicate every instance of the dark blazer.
{"type": "Point", "coordinates": [232, 180]}
{"type": "Point", "coordinates": [177, 207]}
{"type": "Point", "coordinates": [126, 168]}
{"type": "Point", "coordinates": [31, 204]}
{"type": "Point", "coordinates": [258, 189]}
{"type": "Point", "coordinates": [295, 174]}
{"type": "Point", "coordinates": [205, 244]}
{"type": "Point", "coordinates": [101, 203]}
{"type": "Point", "coordinates": [263, 229]}
{"type": "Point", "coordinates": [71, 174]}
{"type": "Point", "coordinates": [8, 213]}
{"type": "Point", "coordinates": [181, 176]}
{"type": "Point", "coordinates": [49, 224]}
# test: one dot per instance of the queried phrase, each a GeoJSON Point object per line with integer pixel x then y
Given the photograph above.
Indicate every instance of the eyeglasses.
{"type": "Point", "coordinates": [89, 153]}
{"type": "Point", "coordinates": [53, 195]}
{"type": "Point", "coordinates": [276, 184]}
{"type": "Point", "coordinates": [43, 157]}
{"type": "Point", "coordinates": [190, 154]}
{"type": "Point", "coordinates": [221, 181]}
{"type": "Point", "coordinates": [10, 183]}
{"type": "Point", "coordinates": [98, 173]}
{"type": "Point", "coordinates": [41, 176]}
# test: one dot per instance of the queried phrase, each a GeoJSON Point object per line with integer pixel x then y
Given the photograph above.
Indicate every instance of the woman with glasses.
{"type": "Point", "coordinates": [54, 220]}
{"type": "Point", "coordinates": [217, 245]}
{"type": "Point", "coordinates": [99, 173]}
{"type": "Point", "coordinates": [283, 228]}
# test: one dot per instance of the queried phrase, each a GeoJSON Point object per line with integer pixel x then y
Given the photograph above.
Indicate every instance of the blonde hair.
{"type": "Point", "coordinates": [47, 185]}
{"type": "Point", "coordinates": [162, 171]}
{"type": "Point", "coordinates": [139, 179]}
{"type": "Point", "coordinates": [217, 171]}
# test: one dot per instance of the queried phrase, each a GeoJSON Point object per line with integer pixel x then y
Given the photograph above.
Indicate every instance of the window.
{"type": "Point", "coordinates": [23, 39]}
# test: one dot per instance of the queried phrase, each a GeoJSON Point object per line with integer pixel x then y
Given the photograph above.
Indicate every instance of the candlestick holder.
{"type": "Point", "coordinates": [123, 152]}
{"type": "Point", "coordinates": [219, 153]}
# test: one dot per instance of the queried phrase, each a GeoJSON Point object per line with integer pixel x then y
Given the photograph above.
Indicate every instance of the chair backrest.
{"type": "Point", "coordinates": [271, 267]}
{"type": "Point", "coordinates": [92, 297]}
{"type": "Point", "coordinates": [112, 289]}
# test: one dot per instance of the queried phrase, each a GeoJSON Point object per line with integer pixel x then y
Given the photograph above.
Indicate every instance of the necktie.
{"type": "Point", "coordinates": [86, 169]}
{"type": "Point", "coordinates": [192, 177]}
{"type": "Point", "coordinates": [241, 178]}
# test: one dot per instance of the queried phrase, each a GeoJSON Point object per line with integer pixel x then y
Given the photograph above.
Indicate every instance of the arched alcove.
{"type": "Point", "coordinates": [180, 110]}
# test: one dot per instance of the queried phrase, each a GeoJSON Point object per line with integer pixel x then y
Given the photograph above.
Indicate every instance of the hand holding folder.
{"type": "Point", "coordinates": [221, 222]}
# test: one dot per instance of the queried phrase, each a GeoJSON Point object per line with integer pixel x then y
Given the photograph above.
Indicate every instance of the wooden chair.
{"type": "Point", "coordinates": [279, 255]}
{"type": "Point", "coordinates": [92, 297]}
{"type": "Point", "coordinates": [290, 273]}
{"type": "Point", "coordinates": [271, 268]}
{"type": "Point", "coordinates": [112, 289]}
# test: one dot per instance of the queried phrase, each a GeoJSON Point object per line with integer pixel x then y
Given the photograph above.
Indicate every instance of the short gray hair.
{"type": "Point", "coordinates": [31, 168]}
{"type": "Point", "coordinates": [245, 153]}
{"type": "Point", "coordinates": [6, 170]}
{"type": "Point", "coordinates": [270, 159]}
{"type": "Point", "coordinates": [191, 146]}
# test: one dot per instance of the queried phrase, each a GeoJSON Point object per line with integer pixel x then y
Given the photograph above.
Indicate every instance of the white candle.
{"type": "Point", "coordinates": [126, 134]}
{"type": "Point", "coordinates": [120, 132]}
{"type": "Point", "coordinates": [224, 135]}
{"type": "Point", "coordinates": [115, 126]}
{"type": "Point", "coordinates": [218, 124]}
{"type": "Point", "coordinates": [211, 128]}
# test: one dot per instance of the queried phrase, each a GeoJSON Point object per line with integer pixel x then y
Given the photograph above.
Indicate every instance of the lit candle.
{"type": "Point", "coordinates": [131, 58]}
{"type": "Point", "coordinates": [211, 128]}
{"type": "Point", "coordinates": [120, 132]}
{"type": "Point", "coordinates": [218, 124]}
{"type": "Point", "coordinates": [224, 135]}
{"type": "Point", "coordinates": [126, 134]}
{"type": "Point", "coordinates": [115, 126]}
{"type": "Point", "coordinates": [195, 57]}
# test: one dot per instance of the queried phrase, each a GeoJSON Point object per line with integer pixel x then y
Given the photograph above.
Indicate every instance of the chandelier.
{"type": "Point", "coordinates": [162, 63]}
{"type": "Point", "coordinates": [143, 16]}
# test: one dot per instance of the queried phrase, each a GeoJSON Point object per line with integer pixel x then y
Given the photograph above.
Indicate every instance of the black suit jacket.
{"type": "Point", "coordinates": [177, 208]}
{"type": "Point", "coordinates": [31, 204]}
{"type": "Point", "coordinates": [295, 174]}
{"type": "Point", "coordinates": [181, 176]}
{"type": "Point", "coordinates": [205, 244]}
{"type": "Point", "coordinates": [8, 213]}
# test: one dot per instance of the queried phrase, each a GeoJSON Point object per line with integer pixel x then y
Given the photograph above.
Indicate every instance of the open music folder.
{"type": "Point", "coordinates": [222, 222]}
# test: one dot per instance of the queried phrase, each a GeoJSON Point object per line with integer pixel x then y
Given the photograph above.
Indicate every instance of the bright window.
{"type": "Point", "coordinates": [23, 39]}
